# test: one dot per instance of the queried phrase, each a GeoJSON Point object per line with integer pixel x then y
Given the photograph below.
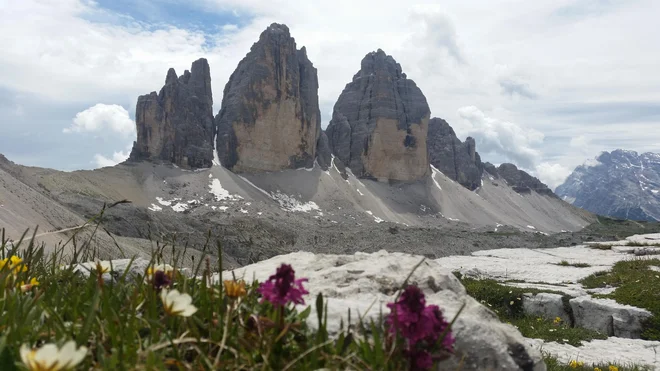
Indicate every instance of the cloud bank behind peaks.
{"type": "Point", "coordinates": [504, 138]}
{"type": "Point", "coordinates": [103, 117]}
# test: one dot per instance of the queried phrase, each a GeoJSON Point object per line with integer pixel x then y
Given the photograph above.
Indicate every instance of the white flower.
{"type": "Point", "coordinates": [177, 304]}
{"type": "Point", "coordinates": [50, 357]}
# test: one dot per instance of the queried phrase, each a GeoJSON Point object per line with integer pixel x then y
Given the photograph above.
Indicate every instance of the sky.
{"type": "Point", "coordinates": [545, 85]}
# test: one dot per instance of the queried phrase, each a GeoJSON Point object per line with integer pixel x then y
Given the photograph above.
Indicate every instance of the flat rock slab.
{"type": "Point", "coordinates": [611, 350]}
{"type": "Point", "coordinates": [366, 282]}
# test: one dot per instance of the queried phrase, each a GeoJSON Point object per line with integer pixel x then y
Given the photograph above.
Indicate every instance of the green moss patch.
{"type": "Point", "coordinates": [506, 302]}
{"type": "Point", "coordinates": [637, 285]}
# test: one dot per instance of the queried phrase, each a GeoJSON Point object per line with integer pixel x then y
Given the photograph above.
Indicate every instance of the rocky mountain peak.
{"type": "Point", "coordinates": [457, 160]}
{"type": "Point", "coordinates": [176, 125]}
{"type": "Point", "coordinates": [518, 179]}
{"type": "Point", "coordinates": [270, 118]}
{"type": "Point", "coordinates": [622, 184]}
{"type": "Point", "coordinates": [380, 123]}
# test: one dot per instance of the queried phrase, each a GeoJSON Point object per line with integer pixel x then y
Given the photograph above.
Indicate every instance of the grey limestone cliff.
{"type": "Point", "coordinates": [380, 122]}
{"type": "Point", "coordinates": [176, 125]}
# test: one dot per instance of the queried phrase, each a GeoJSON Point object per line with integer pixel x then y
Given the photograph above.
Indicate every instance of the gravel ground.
{"type": "Point", "coordinates": [257, 217]}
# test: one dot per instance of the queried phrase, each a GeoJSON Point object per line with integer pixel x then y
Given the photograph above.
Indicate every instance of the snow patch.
{"type": "Point", "coordinates": [243, 211]}
{"type": "Point", "coordinates": [180, 207]}
{"type": "Point", "coordinates": [216, 159]}
{"type": "Point", "coordinates": [358, 190]}
{"type": "Point", "coordinates": [531, 227]}
{"type": "Point", "coordinates": [165, 203]}
{"type": "Point", "coordinates": [435, 171]}
{"type": "Point", "coordinates": [376, 219]}
{"type": "Point", "coordinates": [220, 193]}
{"type": "Point", "coordinates": [290, 203]}
{"type": "Point", "coordinates": [155, 207]}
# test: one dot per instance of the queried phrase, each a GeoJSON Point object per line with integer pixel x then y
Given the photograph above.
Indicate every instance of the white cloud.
{"type": "Point", "coordinates": [117, 157]}
{"type": "Point", "coordinates": [505, 138]}
{"type": "Point", "coordinates": [459, 53]}
{"type": "Point", "coordinates": [580, 142]}
{"type": "Point", "coordinates": [102, 117]}
{"type": "Point", "coordinates": [552, 174]}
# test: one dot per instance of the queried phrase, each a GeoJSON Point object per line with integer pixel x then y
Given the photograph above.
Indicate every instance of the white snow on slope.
{"type": "Point", "coordinates": [290, 203]}
{"type": "Point", "coordinates": [165, 203]}
{"type": "Point", "coordinates": [216, 159]}
{"type": "Point", "coordinates": [180, 207]}
{"type": "Point", "coordinates": [155, 207]}
{"type": "Point", "coordinates": [376, 219]}
{"type": "Point", "coordinates": [220, 193]}
{"type": "Point", "coordinates": [434, 172]}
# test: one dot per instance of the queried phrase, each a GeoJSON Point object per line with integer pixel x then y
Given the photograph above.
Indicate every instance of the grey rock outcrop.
{"type": "Point", "coordinates": [366, 282]}
{"type": "Point", "coordinates": [457, 160]}
{"type": "Point", "coordinates": [270, 118]}
{"type": "Point", "coordinates": [176, 125]}
{"type": "Point", "coordinates": [519, 180]}
{"type": "Point", "coordinates": [546, 305]}
{"type": "Point", "coordinates": [380, 123]}
{"type": "Point", "coordinates": [621, 184]}
{"type": "Point", "coordinates": [609, 317]}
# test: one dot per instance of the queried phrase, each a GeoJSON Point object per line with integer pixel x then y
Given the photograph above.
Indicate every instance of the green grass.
{"type": "Point", "coordinates": [636, 285]}
{"type": "Point", "coordinates": [553, 364]}
{"type": "Point", "coordinates": [565, 263]}
{"type": "Point", "coordinates": [506, 302]}
{"type": "Point", "coordinates": [125, 326]}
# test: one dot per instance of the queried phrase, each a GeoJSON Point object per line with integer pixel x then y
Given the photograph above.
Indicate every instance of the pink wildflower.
{"type": "Point", "coordinates": [420, 325]}
{"type": "Point", "coordinates": [283, 287]}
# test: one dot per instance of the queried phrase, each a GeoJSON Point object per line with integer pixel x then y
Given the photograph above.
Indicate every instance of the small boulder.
{"type": "Point", "coordinates": [546, 305]}
{"type": "Point", "coordinates": [609, 317]}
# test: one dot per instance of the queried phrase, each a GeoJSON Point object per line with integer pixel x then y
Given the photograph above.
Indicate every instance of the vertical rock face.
{"type": "Point", "coordinates": [270, 118]}
{"type": "Point", "coordinates": [176, 125]}
{"type": "Point", "coordinates": [380, 122]}
{"type": "Point", "coordinates": [455, 159]}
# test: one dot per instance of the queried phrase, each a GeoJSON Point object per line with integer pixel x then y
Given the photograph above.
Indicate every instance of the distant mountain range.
{"type": "Point", "coordinates": [621, 184]}
{"type": "Point", "coordinates": [265, 177]}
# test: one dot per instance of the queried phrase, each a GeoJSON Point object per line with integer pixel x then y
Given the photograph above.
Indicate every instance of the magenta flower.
{"type": "Point", "coordinates": [283, 288]}
{"type": "Point", "coordinates": [420, 325]}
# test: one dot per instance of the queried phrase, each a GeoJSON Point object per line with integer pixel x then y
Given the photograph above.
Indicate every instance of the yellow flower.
{"type": "Point", "coordinates": [14, 263]}
{"type": "Point", "coordinates": [177, 304]}
{"type": "Point", "coordinates": [51, 358]}
{"type": "Point", "coordinates": [597, 369]}
{"type": "Point", "coordinates": [102, 266]}
{"type": "Point", "coordinates": [234, 289]}
{"type": "Point", "coordinates": [613, 368]}
{"type": "Point", "coordinates": [575, 364]}
{"type": "Point", "coordinates": [557, 320]}
{"type": "Point", "coordinates": [27, 287]}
